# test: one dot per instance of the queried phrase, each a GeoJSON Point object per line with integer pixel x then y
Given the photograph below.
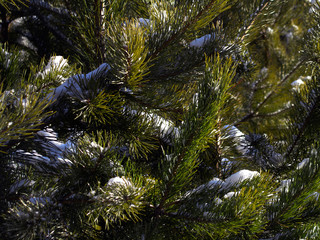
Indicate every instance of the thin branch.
{"type": "Point", "coordinates": [292, 202]}
{"type": "Point", "coordinates": [4, 25]}
{"type": "Point", "coordinates": [193, 219]}
{"type": "Point", "coordinates": [253, 21]}
{"type": "Point", "coordinates": [47, 6]}
{"type": "Point", "coordinates": [273, 113]}
{"type": "Point", "coordinates": [55, 30]}
{"type": "Point", "coordinates": [145, 104]}
{"type": "Point", "coordinates": [182, 31]}
{"type": "Point", "coordinates": [255, 112]}
{"type": "Point", "coordinates": [302, 129]}
{"type": "Point", "coordinates": [164, 198]}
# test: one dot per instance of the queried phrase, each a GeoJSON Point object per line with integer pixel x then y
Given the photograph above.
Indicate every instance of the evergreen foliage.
{"type": "Point", "coordinates": [151, 119]}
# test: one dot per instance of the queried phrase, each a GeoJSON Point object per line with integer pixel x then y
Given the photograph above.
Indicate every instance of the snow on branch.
{"type": "Point", "coordinates": [47, 6]}
{"type": "Point", "coordinates": [77, 82]}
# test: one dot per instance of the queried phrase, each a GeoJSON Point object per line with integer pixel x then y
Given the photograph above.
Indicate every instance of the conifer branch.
{"type": "Point", "coordinates": [303, 127]}
{"type": "Point", "coordinates": [290, 200]}
{"type": "Point", "coordinates": [175, 36]}
{"type": "Point", "coordinates": [194, 219]}
{"type": "Point", "coordinates": [49, 7]}
{"type": "Point", "coordinates": [151, 106]}
{"type": "Point", "coordinates": [164, 198]}
{"type": "Point", "coordinates": [253, 20]}
{"type": "Point", "coordinates": [99, 19]}
{"type": "Point", "coordinates": [272, 114]}
{"type": "Point", "coordinates": [255, 112]}
{"type": "Point", "coordinates": [55, 30]}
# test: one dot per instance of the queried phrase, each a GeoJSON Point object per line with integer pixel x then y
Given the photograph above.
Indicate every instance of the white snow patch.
{"type": "Point", "coordinates": [56, 63]}
{"type": "Point", "coordinates": [270, 30]}
{"type": "Point", "coordinates": [217, 201]}
{"type": "Point", "coordinates": [239, 138]}
{"type": "Point", "coordinates": [73, 84]}
{"type": "Point", "coordinates": [235, 132]}
{"type": "Point", "coordinates": [306, 78]}
{"type": "Point", "coordinates": [64, 160]}
{"type": "Point", "coordinates": [22, 183]}
{"type": "Point", "coordinates": [240, 176]}
{"type": "Point", "coordinates": [24, 41]}
{"type": "Point", "coordinates": [230, 195]}
{"type": "Point", "coordinates": [284, 186]}
{"type": "Point", "coordinates": [215, 182]}
{"type": "Point", "coordinates": [199, 42]}
{"type": "Point", "coordinates": [312, 1]}
{"type": "Point", "coordinates": [226, 163]}
{"type": "Point", "coordinates": [120, 181]}
{"type": "Point", "coordinates": [40, 200]}
{"type": "Point", "coordinates": [297, 83]}
{"type": "Point", "coordinates": [166, 126]}
{"type": "Point", "coordinates": [48, 133]}
{"type": "Point", "coordinates": [144, 22]}
{"type": "Point", "coordinates": [303, 163]}
{"type": "Point", "coordinates": [7, 60]}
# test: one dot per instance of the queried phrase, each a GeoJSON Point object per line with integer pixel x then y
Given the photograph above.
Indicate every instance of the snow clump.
{"type": "Point", "coordinates": [118, 181]}
{"type": "Point", "coordinates": [199, 42]}
{"type": "Point", "coordinates": [240, 176]}
{"type": "Point", "coordinates": [303, 163]}
{"type": "Point", "coordinates": [239, 138]}
{"type": "Point", "coordinates": [144, 22]}
{"type": "Point", "coordinates": [284, 185]}
{"type": "Point", "coordinates": [75, 83]}
{"type": "Point", "coordinates": [230, 195]}
{"type": "Point", "coordinates": [55, 63]}
{"type": "Point", "coordinates": [297, 84]}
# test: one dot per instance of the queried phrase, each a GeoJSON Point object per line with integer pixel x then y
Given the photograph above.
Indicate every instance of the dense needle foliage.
{"type": "Point", "coordinates": [150, 119]}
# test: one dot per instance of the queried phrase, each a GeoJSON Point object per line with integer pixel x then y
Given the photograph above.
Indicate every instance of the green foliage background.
{"type": "Point", "coordinates": [140, 134]}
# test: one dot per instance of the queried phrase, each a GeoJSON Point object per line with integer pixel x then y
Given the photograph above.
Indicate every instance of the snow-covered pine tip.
{"type": "Point", "coordinates": [75, 83]}
{"type": "Point", "coordinates": [230, 195]}
{"type": "Point", "coordinates": [200, 42]}
{"type": "Point", "coordinates": [215, 183]}
{"type": "Point", "coordinates": [55, 63]}
{"type": "Point", "coordinates": [240, 176]}
{"type": "Point", "coordinates": [238, 137]}
{"type": "Point", "coordinates": [144, 22]}
{"type": "Point", "coordinates": [118, 181]}
{"type": "Point", "coordinates": [40, 200]}
{"type": "Point", "coordinates": [284, 185]}
{"type": "Point", "coordinates": [48, 134]}
{"type": "Point", "coordinates": [24, 183]}
{"type": "Point", "coordinates": [303, 163]}
{"type": "Point", "coordinates": [297, 84]}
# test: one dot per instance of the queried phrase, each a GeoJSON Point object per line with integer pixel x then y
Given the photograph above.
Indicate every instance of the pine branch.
{"type": "Point", "coordinates": [304, 183]}
{"type": "Point", "coordinates": [177, 35]}
{"type": "Point", "coordinates": [255, 112]}
{"type": "Point", "coordinates": [55, 30]}
{"type": "Point", "coordinates": [143, 103]}
{"type": "Point", "coordinates": [98, 29]}
{"type": "Point", "coordinates": [47, 6]}
{"type": "Point", "coordinates": [254, 20]}
{"type": "Point", "coordinates": [303, 127]}
{"type": "Point", "coordinates": [168, 189]}
{"type": "Point", "coordinates": [272, 114]}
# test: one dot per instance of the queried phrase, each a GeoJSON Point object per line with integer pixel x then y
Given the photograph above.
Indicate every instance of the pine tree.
{"type": "Point", "coordinates": [162, 120]}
